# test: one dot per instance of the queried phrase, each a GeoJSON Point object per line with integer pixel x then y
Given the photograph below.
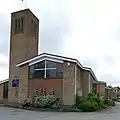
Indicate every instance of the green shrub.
{"type": "Point", "coordinates": [115, 99]}
{"type": "Point", "coordinates": [43, 101]}
{"type": "Point", "coordinates": [102, 105]}
{"type": "Point", "coordinates": [94, 98]}
{"type": "Point", "coordinates": [28, 102]}
{"type": "Point", "coordinates": [92, 102]}
{"type": "Point", "coordinates": [79, 99]}
{"type": "Point", "coordinates": [109, 102]}
{"type": "Point", "coordinates": [88, 106]}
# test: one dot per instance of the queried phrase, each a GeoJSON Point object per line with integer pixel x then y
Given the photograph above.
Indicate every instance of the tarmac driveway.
{"type": "Point", "coordinates": [19, 114]}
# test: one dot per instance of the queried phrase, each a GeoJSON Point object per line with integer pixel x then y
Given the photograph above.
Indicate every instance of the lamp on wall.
{"type": "Point", "coordinates": [68, 63]}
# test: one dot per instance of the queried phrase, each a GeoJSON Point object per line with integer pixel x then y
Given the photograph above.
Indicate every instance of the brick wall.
{"type": "Point", "coordinates": [69, 83]}
{"type": "Point", "coordinates": [100, 88]}
{"type": "Point", "coordinates": [23, 46]}
{"type": "Point", "coordinates": [23, 83]}
{"type": "Point", "coordinates": [78, 82]}
{"type": "Point", "coordinates": [49, 84]}
{"type": "Point", "coordinates": [85, 82]}
{"type": "Point", "coordinates": [92, 79]}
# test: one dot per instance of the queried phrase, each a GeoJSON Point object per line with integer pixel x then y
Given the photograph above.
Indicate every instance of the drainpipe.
{"type": "Point", "coordinates": [89, 83]}
{"type": "Point", "coordinates": [75, 77]}
{"type": "Point", "coordinates": [45, 70]}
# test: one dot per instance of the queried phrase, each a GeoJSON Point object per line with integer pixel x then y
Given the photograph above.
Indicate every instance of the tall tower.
{"type": "Point", "coordinates": [23, 44]}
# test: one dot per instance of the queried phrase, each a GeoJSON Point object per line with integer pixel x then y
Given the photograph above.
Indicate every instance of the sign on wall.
{"type": "Point", "coordinates": [15, 83]}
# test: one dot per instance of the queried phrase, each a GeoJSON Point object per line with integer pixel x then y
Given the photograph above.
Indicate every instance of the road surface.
{"type": "Point", "coordinates": [19, 114]}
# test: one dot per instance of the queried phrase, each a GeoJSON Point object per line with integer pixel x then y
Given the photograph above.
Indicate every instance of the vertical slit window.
{"type": "Point", "coordinates": [15, 26]}
{"type": "Point", "coordinates": [5, 90]}
{"type": "Point", "coordinates": [41, 91]}
{"type": "Point", "coordinates": [31, 27]}
{"type": "Point", "coordinates": [22, 25]}
{"type": "Point", "coordinates": [36, 92]}
{"type": "Point", "coordinates": [45, 91]}
{"type": "Point", "coordinates": [36, 30]}
{"type": "Point", "coordinates": [19, 25]}
{"type": "Point", "coordinates": [53, 91]}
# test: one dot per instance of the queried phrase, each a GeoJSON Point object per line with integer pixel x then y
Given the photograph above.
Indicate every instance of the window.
{"type": "Point", "coordinates": [31, 71]}
{"type": "Point", "coordinates": [41, 91]}
{"type": "Point", "coordinates": [36, 30]}
{"type": "Point", "coordinates": [39, 73]}
{"type": "Point", "coordinates": [46, 69]}
{"type": "Point", "coordinates": [36, 92]}
{"type": "Point", "coordinates": [50, 64]}
{"type": "Point", "coordinates": [53, 69]}
{"type": "Point", "coordinates": [31, 27]}
{"type": "Point", "coordinates": [5, 90]}
{"type": "Point", "coordinates": [40, 65]}
{"type": "Point", "coordinates": [44, 91]}
{"type": "Point", "coordinates": [53, 91]}
{"type": "Point", "coordinates": [15, 31]}
{"type": "Point", "coordinates": [19, 25]}
{"type": "Point", "coordinates": [51, 73]}
{"type": "Point", "coordinates": [22, 25]}
{"type": "Point", "coordinates": [101, 93]}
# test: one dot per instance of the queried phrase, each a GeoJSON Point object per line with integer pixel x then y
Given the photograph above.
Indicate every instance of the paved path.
{"type": "Point", "coordinates": [19, 114]}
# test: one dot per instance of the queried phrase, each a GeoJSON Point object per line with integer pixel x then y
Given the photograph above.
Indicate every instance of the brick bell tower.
{"type": "Point", "coordinates": [24, 36]}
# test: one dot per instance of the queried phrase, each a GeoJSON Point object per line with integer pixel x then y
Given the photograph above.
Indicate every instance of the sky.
{"type": "Point", "coordinates": [88, 30]}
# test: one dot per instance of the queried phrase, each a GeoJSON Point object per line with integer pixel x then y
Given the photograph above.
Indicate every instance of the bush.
{"type": "Point", "coordinates": [102, 105]}
{"type": "Point", "coordinates": [92, 102]}
{"type": "Point", "coordinates": [109, 102]}
{"type": "Point", "coordinates": [28, 102]}
{"type": "Point", "coordinates": [43, 101]}
{"type": "Point", "coordinates": [94, 98]}
{"type": "Point", "coordinates": [115, 99]}
{"type": "Point", "coordinates": [88, 106]}
{"type": "Point", "coordinates": [79, 99]}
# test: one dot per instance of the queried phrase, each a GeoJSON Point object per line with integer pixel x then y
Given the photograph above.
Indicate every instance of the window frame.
{"type": "Point", "coordinates": [22, 25]}
{"type": "Point", "coordinates": [45, 69]}
{"type": "Point", "coordinates": [44, 91]}
{"type": "Point", "coordinates": [36, 92]}
{"type": "Point", "coordinates": [15, 26]}
{"type": "Point", "coordinates": [53, 91]}
{"type": "Point", "coordinates": [5, 90]}
{"type": "Point", "coordinates": [19, 25]}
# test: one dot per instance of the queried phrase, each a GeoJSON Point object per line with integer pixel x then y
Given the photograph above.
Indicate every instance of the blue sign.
{"type": "Point", "coordinates": [15, 83]}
